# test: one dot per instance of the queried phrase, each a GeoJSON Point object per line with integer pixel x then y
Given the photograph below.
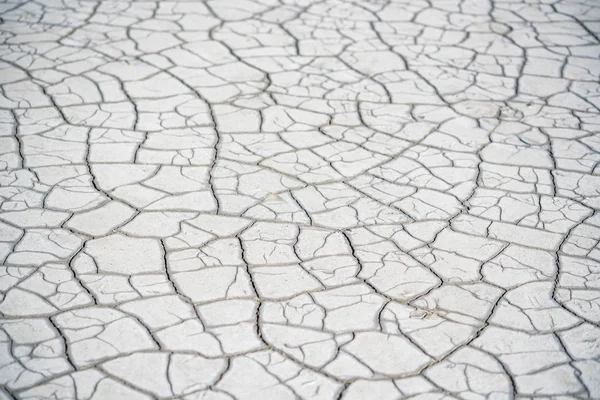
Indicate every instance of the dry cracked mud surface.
{"type": "Point", "coordinates": [298, 199]}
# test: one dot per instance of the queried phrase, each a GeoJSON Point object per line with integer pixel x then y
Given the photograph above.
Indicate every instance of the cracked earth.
{"type": "Point", "coordinates": [298, 199]}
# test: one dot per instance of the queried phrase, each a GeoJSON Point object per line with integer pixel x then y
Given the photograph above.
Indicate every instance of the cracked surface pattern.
{"type": "Point", "coordinates": [300, 199]}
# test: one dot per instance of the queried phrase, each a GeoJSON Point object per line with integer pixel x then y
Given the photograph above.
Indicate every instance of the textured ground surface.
{"type": "Point", "coordinates": [279, 199]}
